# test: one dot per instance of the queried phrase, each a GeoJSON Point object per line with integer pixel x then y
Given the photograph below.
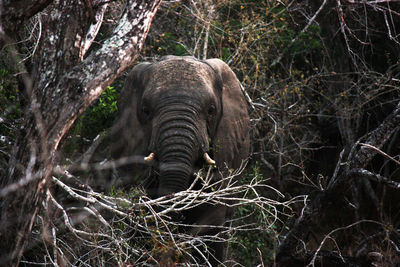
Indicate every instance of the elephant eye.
{"type": "Point", "coordinates": [211, 110]}
{"type": "Point", "coordinates": [145, 110]}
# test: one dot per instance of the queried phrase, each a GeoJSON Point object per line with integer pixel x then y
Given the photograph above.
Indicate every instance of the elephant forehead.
{"type": "Point", "coordinates": [180, 73]}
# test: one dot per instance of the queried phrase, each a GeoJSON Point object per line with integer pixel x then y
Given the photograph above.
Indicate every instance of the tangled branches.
{"type": "Point", "coordinates": [81, 227]}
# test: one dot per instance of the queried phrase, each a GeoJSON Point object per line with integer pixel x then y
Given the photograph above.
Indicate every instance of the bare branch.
{"type": "Point", "coordinates": [380, 152]}
{"type": "Point", "coordinates": [329, 236]}
{"type": "Point", "coordinates": [145, 217]}
{"type": "Point", "coordinates": [101, 6]}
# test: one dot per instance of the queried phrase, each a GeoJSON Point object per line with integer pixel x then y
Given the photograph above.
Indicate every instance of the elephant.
{"type": "Point", "coordinates": [177, 114]}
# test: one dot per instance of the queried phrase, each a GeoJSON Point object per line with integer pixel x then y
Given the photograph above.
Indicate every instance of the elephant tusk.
{"type": "Point", "coordinates": [149, 158]}
{"type": "Point", "coordinates": [209, 160]}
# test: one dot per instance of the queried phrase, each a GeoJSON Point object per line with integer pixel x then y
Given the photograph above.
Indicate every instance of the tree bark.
{"type": "Point", "coordinates": [64, 84]}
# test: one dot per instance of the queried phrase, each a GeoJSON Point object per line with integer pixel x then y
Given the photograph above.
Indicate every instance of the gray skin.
{"type": "Point", "coordinates": [179, 108]}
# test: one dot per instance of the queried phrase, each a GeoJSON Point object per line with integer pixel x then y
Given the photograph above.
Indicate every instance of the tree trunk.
{"type": "Point", "coordinates": [63, 83]}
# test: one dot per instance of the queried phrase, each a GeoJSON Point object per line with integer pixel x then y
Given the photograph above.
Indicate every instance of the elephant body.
{"type": "Point", "coordinates": [183, 113]}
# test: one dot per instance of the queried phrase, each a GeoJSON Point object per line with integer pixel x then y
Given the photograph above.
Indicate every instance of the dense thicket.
{"type": "Point", "coordinates": [323, 80]}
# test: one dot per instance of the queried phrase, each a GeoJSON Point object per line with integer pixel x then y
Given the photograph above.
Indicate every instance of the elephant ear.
{"type": "Point", "coordinates": [127, 134]}
{"type": "Point", "coordinates": [231, 144]}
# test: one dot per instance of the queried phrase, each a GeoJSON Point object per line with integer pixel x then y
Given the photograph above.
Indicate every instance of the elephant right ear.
{"type": "Point", "coordinates": [127, 134]}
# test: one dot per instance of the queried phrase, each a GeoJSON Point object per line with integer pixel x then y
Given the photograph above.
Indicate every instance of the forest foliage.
{"type": "Point", "coordinates": [320, 77]}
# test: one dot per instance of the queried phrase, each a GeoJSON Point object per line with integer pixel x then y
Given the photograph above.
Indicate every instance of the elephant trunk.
{"type": "Point", "coordinates": [174, 177]}
{"type": "Point", "coordinates": [178, 147]}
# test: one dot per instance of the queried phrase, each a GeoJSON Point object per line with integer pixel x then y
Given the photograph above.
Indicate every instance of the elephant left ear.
{"type": "Point", "coordinates": [231, 144]}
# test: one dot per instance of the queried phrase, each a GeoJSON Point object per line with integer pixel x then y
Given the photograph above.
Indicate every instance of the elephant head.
{"type": "Point", "coordinates": [180, 113]}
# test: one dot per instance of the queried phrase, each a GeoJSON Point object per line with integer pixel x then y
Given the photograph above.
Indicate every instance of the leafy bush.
{"type": "Point", "coordinates": [253, 243]}
{"type": "Point", "coordinates": [96, 119]}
